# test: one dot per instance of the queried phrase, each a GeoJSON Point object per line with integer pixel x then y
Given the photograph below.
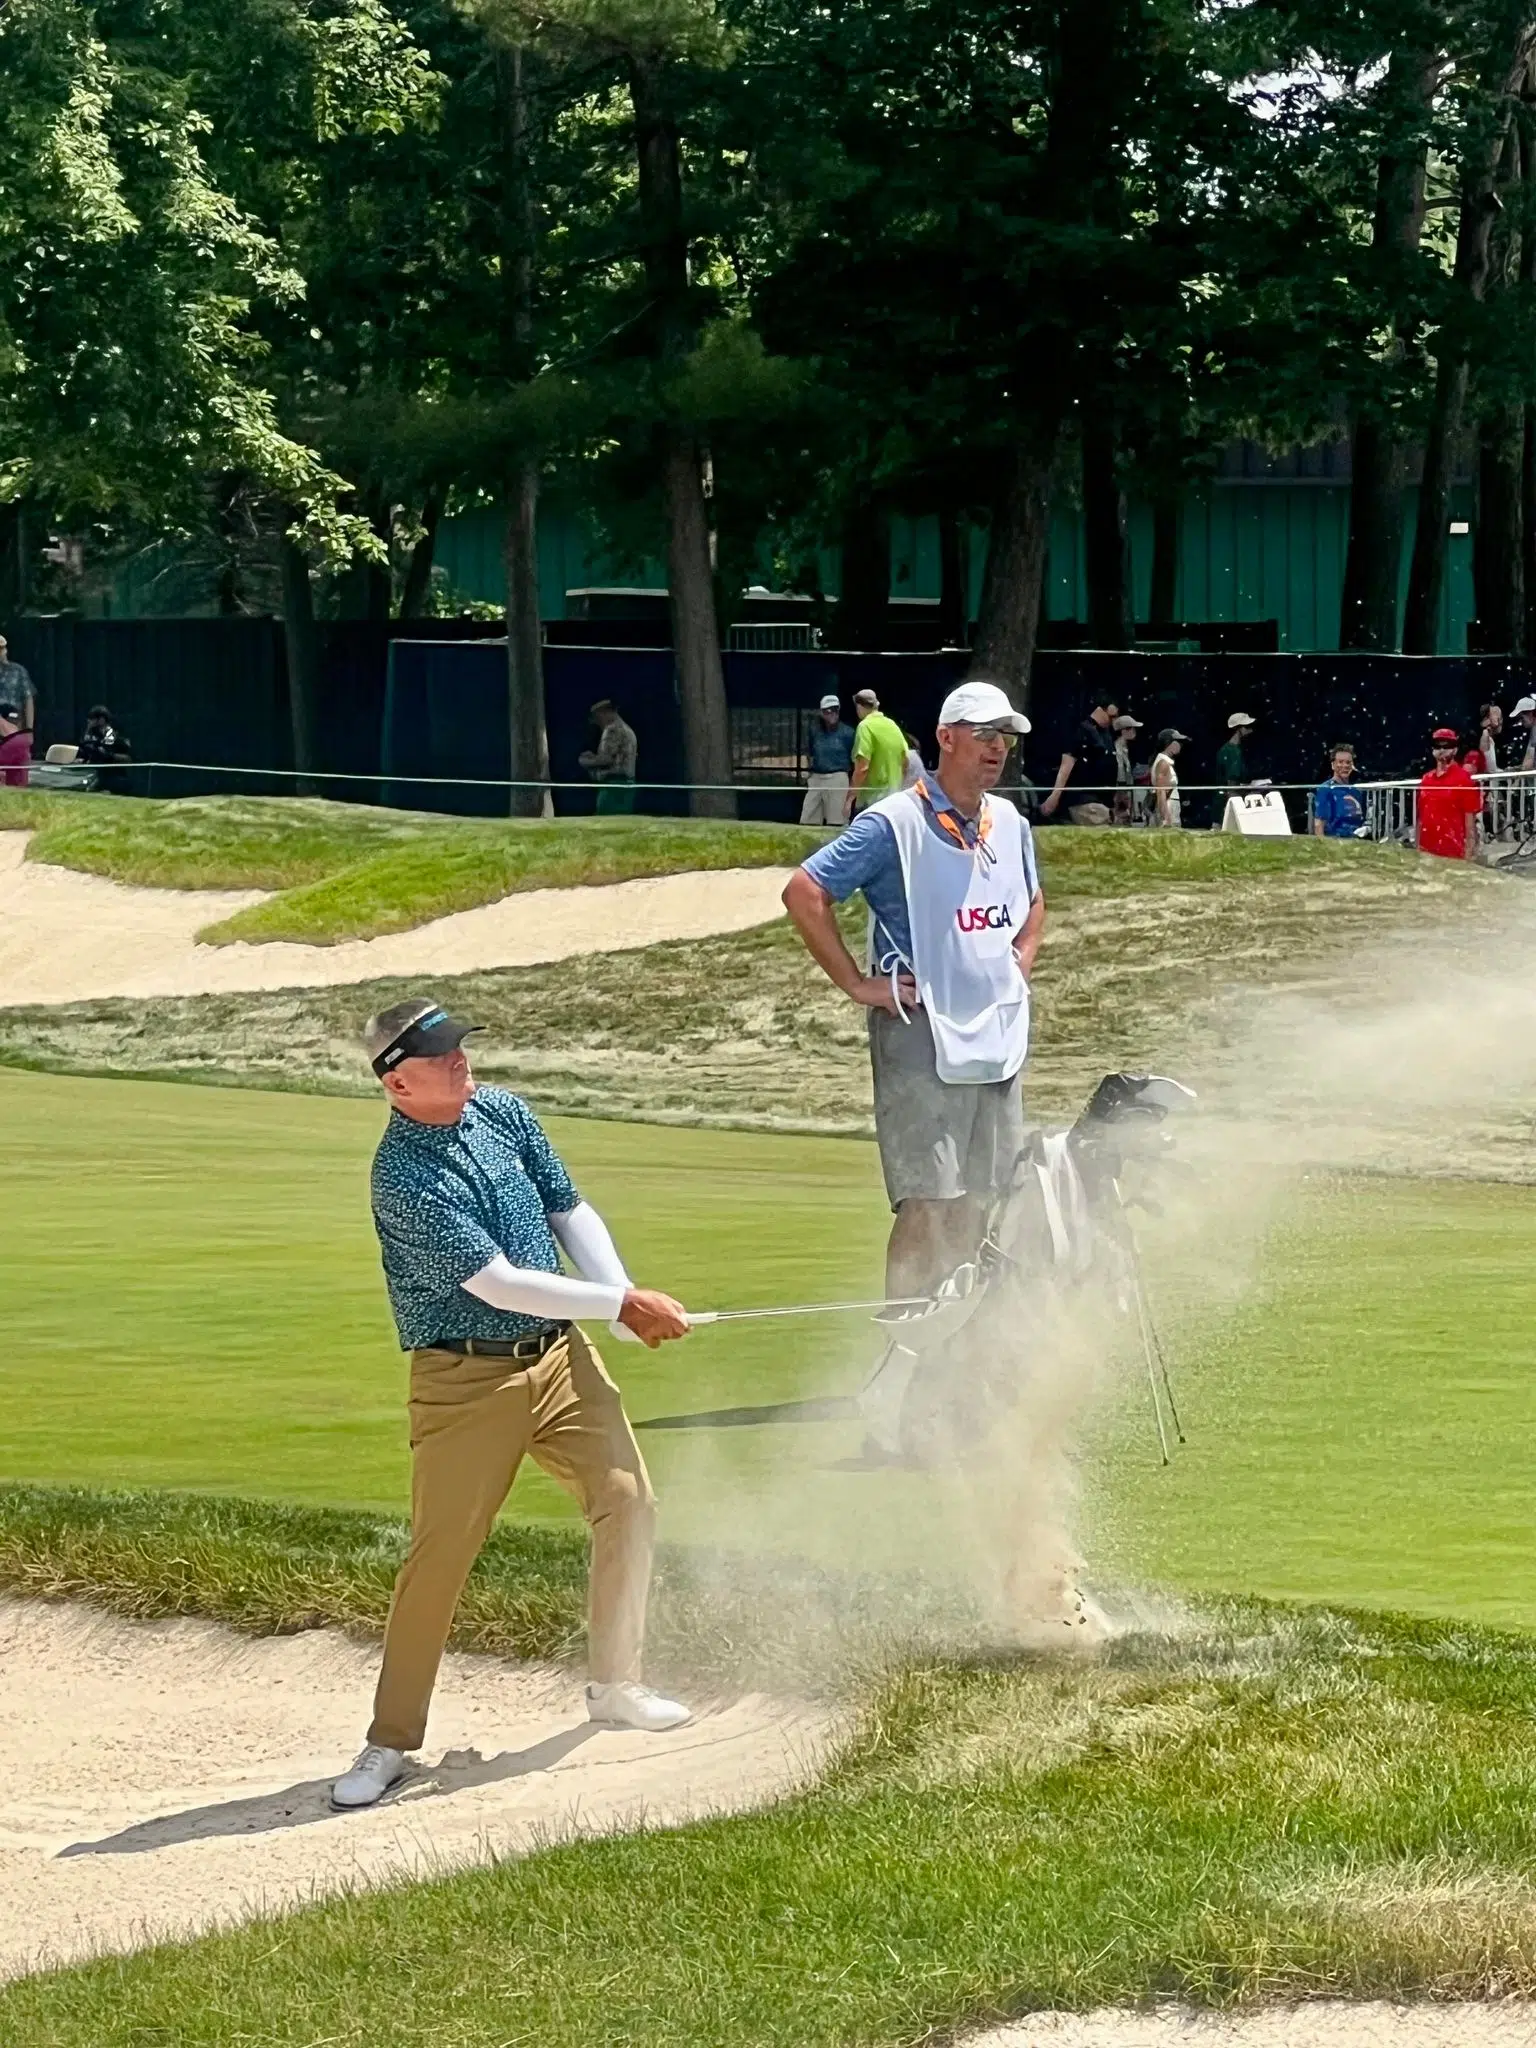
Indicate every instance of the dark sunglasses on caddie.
{"type": "Point", "coordinates": [1444, 747]}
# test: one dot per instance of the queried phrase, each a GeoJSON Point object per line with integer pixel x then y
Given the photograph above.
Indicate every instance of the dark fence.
{"type": "Point", "coordinates": [428, 698]}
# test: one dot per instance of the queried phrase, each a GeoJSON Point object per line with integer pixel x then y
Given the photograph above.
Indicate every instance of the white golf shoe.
{"type": "Point", "coordinates": [627, 1705]}
{"type": "Point", "coordinates": [369, 1778]}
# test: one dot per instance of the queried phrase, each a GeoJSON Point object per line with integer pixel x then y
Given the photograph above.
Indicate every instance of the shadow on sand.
{"type": "Point", "coordinates": [302, 1805]}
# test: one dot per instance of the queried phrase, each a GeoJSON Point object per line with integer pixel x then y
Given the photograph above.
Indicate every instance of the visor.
{"type": "Point", "coordinates": [427, 1038]}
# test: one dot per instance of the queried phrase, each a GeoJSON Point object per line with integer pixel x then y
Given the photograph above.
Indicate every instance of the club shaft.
{"type": "Point", "coordinates": [804, 1308]}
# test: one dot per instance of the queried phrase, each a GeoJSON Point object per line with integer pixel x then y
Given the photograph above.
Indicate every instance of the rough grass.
{"type": "Point", "coordinates": [1260, 1804]}
{"type": "Point", "coordinates": [1148, 937]}
{"type": "Point", "coordinates": [351, 871]}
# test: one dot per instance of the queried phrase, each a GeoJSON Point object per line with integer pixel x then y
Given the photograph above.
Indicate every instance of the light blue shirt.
{"type": "Point", "coordinates": [865, 857]}
{"type": "Point", "coordinates": [448, 1197]}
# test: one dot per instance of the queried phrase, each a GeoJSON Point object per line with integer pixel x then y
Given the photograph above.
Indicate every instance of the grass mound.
{"type": "Point", "coordinates": [353, 871]}
{"type": "Point", "coordinates": [1257, 1803]}
{"type": "Point", "coordinates": [1147, 936]}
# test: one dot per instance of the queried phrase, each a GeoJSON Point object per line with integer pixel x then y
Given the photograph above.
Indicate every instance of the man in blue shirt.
{"type": "Point", "coordinates": [947, 1147]}
{"type": "Point", "coordinates": [473, 1209]}
{"type": "Point", "coordinates": [1337, 812]}
{"type": "Point", "coordinates": [831, 751]}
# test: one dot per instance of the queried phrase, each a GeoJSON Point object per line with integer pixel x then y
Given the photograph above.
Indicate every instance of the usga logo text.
{"type": "Point", "coordinates": [982, 917]}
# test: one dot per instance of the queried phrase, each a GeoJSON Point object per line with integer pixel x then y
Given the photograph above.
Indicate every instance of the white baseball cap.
{"type": "Point", "coordinates": [830, 703]}
{"type": "Point", "coordinates": [1125, 723]}
{"type": "Point", "coordinates": [981, 704]}
{"type": "Point", "coordinates": [1525, 704]}
{"type": "Point", "coordinates": [1238, 718]}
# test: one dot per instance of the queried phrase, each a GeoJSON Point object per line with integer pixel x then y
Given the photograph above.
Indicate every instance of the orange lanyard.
{"type": "Point", "coordinates": [946, 823]}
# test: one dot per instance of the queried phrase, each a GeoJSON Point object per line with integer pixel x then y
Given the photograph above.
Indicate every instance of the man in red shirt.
{"type": "Point", "coordinates": [1449, 803]}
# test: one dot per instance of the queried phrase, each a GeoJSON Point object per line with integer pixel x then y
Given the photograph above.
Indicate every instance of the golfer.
{"type": "Point", "coordinates": [472, 1209]}
{"type": "Point", "coordinates": [955, 919]}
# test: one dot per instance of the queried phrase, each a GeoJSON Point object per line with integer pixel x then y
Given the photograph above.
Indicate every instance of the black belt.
{"type": "Point", "coordinates": [504, 1347]}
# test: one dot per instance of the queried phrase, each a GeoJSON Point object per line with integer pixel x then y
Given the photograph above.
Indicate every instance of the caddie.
{"type": "Point", "coordinates": [956, 913]}
{"type": "Point", "coordinates": [473, 1209]}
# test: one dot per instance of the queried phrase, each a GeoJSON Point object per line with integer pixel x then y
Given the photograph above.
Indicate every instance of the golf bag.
{"type": "Point", "coordinates": [954, 1370]}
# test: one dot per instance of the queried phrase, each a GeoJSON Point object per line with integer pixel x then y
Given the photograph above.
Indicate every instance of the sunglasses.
{"type": "Point", "coordinates": [1443, 747]}
{"type": "Point", "coordinates": [1005, 733]}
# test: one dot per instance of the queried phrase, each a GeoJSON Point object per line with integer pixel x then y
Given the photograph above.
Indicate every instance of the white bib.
{"type": "Point", "coordinates": [966, 907]}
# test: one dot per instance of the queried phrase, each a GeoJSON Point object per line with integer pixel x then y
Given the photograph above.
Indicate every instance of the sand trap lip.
{"type": "Point", "coordinates": [1331, 2023]}
{"type": "Point", "coordinates": [162, 1778]}
{"type": "Point", "coordinates": [67, 937]}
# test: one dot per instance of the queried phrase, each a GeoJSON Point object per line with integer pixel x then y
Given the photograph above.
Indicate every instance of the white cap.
{"type": "Point", "coordinates": [830, 703]}
{"type": "Point", "coordinates": [981, 704]}
{"type": "Point", "coordinates": [1125, 723]}
{"type": "Point", "coordinates": [1238, 718]}
{"type": "Point", "coordinates": [866, 697]}
{"type": "Point", "coordinates": [1525, 704]}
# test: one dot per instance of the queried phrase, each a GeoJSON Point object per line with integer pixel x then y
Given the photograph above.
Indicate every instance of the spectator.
{"type": "Point", "coordinates": [1165, 778]}
{"type": "Point", "coordinates": [612, 763]}
{"type": "Point", "coordinates": [16, 688]}
{"type": "Point", "coordinates": [879, 754]}
{"type": "Point", "coordinates": [1092, 750]}
{"type": "Point", "coordinates": [101, 744]}
{"type": "Point", "coordinates": [105, 749]}
{"type": "Point", "coordinates": [1337, 812]}
{"type": "Point", "coordinates": [1124, 728]}
{"type": "Point", "coordinates": [1483, 758]}
{"type": "Point", "coordinates": [831, 748]}
{"type": "Point", "coordinates": [1522, 740]}
{"type": "Point", "coordinates": [15, 747]}
{"type": "Point", "coordinates": [1449, 803]}
{"type": "Point", "coordinates": [1231, 768]}
{"type": "Point", "coordinates": [916, 767]}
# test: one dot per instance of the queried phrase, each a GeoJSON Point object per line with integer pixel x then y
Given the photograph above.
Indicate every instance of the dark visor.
{"type": "Point", "coordinates": [427, 1039]}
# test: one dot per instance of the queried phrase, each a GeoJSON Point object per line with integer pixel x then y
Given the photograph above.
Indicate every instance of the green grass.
{"type": "Point", "coordinates": [351, 871]}
{"type": "Point", "coordinates": [1261, 1805]}
{"type": "Point", "coordinates": [203, 1310]}
{"type": "Point", "coordinates": [1149, 936]}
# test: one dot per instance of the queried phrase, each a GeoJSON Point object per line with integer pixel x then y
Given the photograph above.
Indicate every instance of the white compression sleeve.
{"type": "Point", "coordinates": [584, 1239]}
{"type": "Point", "coordinates": [555, 1296]}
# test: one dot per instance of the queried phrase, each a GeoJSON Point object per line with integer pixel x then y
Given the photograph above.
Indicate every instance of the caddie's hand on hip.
{"type": "Point", "coordinates": [874, 992]}
{"type": "Point", "coordinates": [654, 1318]}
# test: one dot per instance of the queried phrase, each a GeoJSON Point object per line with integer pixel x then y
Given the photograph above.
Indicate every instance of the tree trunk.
{"type": "Point", "coordinates": [864, 600]}
{"type": "Point", "coordinates": [1368, 608]}
{"type": "Point", "coordinates": [1163, 598]}
{"type": "Point", "coordinates": [363, 587]}
{"type": "Point", "coordinates": [1013, 585]}
{"type": "Point", "coordinates": [301, 643]}
{"type": "Point", "coordinates": [1104, 558]}
{"type": "Point", "coordinates": [525, 648]}
{"type": "Point", "coordinates": [1499, 555]}
{"type": "Point", "coordinates": [1474, 234]}
{"type": "Point", "coordinates": [417, 587]}
{"type": "Point", "coordinates": [528, 755]}
{"type": "Point", "coordinates": [690, 569]}
{"type": "Point", "coordinates": [13, 558]}
{"type": "Point", "coordinates": [954, 581]}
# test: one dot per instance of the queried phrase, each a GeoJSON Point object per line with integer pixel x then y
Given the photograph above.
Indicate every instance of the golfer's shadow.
{"type": "Point", "coordinates": [301, 1805]}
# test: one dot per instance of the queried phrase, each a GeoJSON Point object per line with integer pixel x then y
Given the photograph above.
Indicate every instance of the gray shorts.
{"type": "Point", "coordinates": [938, 1139]}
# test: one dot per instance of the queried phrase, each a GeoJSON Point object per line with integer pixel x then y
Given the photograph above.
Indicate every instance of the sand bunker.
{"type": "Point", "coordinates": [164, 1778]}
{"type": "Point", "coordinates": [67, 937]}
{"type": "Point", "coordinates": [1327, 2024]}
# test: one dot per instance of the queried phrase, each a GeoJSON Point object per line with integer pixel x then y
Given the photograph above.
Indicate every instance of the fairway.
{"type": "Point", "coordinates": [196, 1303]}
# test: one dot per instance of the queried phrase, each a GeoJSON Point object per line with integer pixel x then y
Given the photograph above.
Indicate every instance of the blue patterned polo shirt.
{"type": "Point", "coordinates": [448, 1197]}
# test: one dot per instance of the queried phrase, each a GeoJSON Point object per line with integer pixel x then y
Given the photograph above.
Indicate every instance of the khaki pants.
{"type": "Point", "coordinates": [826, 800]}
{"type": "Point", "coordinates": [472, 1420]}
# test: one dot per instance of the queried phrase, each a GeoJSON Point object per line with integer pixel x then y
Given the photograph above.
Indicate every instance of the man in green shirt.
{"type": "Point", "coordinates": [1231, 768]}
{"type": "Point", "coordinates": [879, 754]}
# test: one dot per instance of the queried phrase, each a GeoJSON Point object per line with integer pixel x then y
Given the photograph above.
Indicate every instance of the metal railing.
{"type": "Point", "coordinates": [1392, 808]}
